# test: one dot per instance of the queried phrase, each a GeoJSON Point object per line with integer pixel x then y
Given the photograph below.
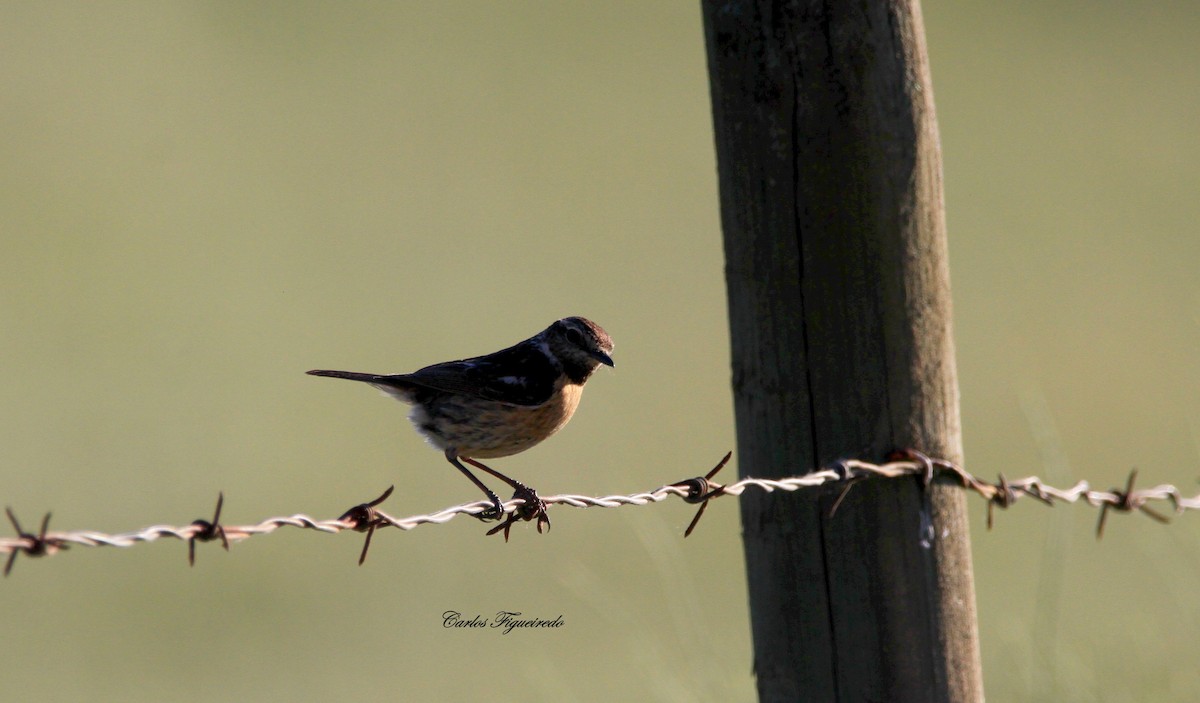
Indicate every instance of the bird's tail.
{"type": "Point", "coordinates": [351, 375]}
{"type": "Point", "coordinates": [395, 386]}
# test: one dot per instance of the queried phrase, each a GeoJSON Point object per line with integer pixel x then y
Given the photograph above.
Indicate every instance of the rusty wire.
{"type": "Point", "coordinates": [367, 517]}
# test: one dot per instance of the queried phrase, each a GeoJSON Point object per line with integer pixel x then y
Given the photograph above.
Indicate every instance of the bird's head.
{"type": "Point", "coordinates": [580, 344]}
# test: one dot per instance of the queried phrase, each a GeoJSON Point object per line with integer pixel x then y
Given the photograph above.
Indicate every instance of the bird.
{"type": "Point", "coordinates": [499, 404]}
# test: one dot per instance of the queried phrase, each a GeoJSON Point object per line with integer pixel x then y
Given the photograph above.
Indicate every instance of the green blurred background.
{"type": "Point", "coordinates": [203, 200]}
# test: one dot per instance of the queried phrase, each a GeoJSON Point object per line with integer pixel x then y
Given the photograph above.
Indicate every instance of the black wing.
{"type": "Point", "coordinates": [521, 375]}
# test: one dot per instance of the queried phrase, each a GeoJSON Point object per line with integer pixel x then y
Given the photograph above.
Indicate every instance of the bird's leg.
{"type": "Point", "coordinates": [533, 509]}
{"type": "Point", "coordinates": [497, 509]}
{"type": "Point", "coordinates": [484, 467]}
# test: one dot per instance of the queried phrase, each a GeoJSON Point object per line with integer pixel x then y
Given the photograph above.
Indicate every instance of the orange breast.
{"type": "Point", "coordinates": [485, 429]}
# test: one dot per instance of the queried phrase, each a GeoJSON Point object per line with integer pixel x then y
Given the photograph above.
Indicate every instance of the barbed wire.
{"type": "Point", "coordinates": [367, 517]}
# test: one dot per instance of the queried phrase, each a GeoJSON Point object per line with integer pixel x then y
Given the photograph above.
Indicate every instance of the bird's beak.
{"type": "Point", "coordinates": [602, 358]}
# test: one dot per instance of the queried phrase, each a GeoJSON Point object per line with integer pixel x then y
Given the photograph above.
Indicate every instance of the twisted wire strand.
{"type": "Point", "coordinates": [700, 490]}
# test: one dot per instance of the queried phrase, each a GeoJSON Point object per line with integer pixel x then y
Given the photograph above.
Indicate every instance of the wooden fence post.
{"type": "Point", "coordinates": [839, 308]}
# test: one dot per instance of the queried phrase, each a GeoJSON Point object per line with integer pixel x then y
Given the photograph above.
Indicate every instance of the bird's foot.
{"type": "Point", "coordinates": [534, 508]}
{"type": "Point", "coordinates": [493, 513]}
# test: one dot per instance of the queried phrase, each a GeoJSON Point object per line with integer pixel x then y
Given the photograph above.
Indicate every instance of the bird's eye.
{"type": "Point", "coordinates": [574, 337]}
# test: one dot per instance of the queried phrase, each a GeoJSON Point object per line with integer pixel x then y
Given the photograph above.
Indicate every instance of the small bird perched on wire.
{"type": "Point", "coordinates": [502, 403]}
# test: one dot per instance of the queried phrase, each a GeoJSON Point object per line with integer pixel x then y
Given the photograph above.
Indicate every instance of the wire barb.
{"type": "Point", "coordinates": [526, 505]}
{"type": "Point", "coordinates": [850, 482]}
{"type": "Point", "coordinates": [39, 545]}
{"type": "Point", "coordinates": [701, 490]}
{"type": "Point", "coordinates": [207, 531]}
{"type": "Point", "coordinates": [1003, 497]}
{"type": "Point", "coordinates": [1126, 501]}
{"type": "Point", "coordinates": [365, 518]}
